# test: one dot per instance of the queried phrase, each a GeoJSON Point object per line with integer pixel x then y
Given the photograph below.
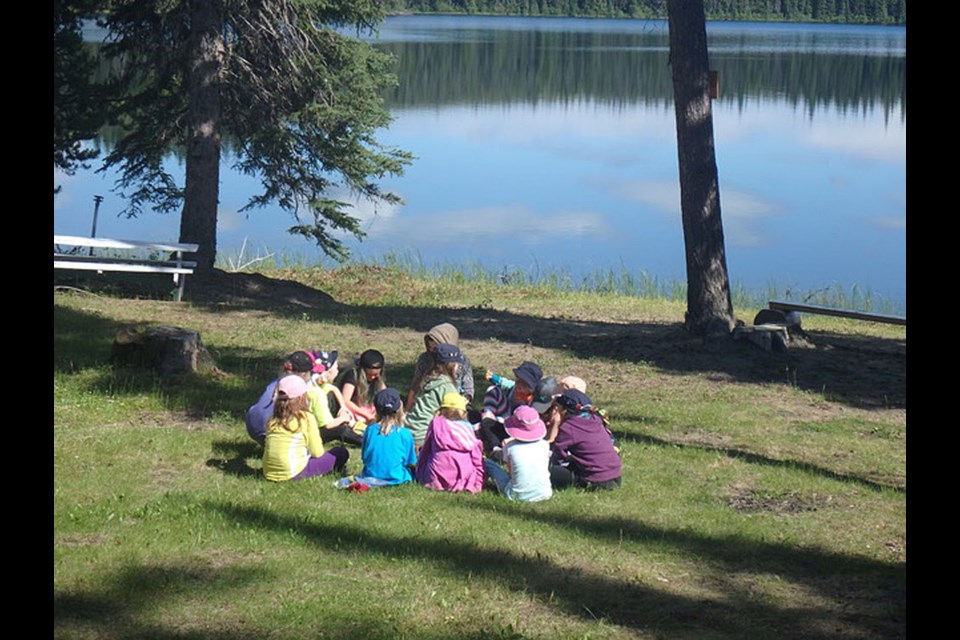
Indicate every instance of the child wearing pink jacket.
{"type": "Point", "coordinates": [451, 458]}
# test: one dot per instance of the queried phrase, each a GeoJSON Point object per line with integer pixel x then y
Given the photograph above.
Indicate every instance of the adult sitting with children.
{"type": "Point", "coordinates": [444, 333]}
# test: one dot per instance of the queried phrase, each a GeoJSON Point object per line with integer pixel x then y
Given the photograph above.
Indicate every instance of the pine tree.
{"type": "Point", "coordinates": [76, 101]}
{"type": "Point", "coordinates": [298, 101]}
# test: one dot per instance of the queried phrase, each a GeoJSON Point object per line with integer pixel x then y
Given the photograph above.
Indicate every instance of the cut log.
{"type": "Point", "coordinates": [168, 350]}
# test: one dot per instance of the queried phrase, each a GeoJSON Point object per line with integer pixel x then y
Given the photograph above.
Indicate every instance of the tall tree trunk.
{"type": "Point", "coordinates": [709, 309]}
{"type": "Point", "coordinates": [198, 222]}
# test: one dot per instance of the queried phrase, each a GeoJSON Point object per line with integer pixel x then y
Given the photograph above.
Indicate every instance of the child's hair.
{"type": "Point", "coordinates": [288, 412]}
{"type": "Point", "coordinates": [448, 369]}
{"type": "Point", "coordinates": [389, 410]}
{"type": "Point", "coordinates": [452, 413]}
{"type": "Point", "coordinates": [391, 421]}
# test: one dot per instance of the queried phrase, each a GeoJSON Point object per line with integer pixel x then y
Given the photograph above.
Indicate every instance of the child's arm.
{"type": "Point", "coordinates": [343, 411]}
{"type": "Point", "coordinates": [321, 410]}
{"type": "Point", "coordinates": [504, 383]}
{"type": "Point", "coordinates": [312, 435]}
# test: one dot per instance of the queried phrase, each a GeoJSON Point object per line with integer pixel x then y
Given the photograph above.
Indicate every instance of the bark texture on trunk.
{"type": "Point", "coordinates": [709, 307]}
{"type": "Point", "coordinates": [198, 221]}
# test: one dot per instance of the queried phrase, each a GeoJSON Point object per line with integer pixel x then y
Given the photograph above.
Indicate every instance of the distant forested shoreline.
{"type": "Point", "coordinates": [836, 11]}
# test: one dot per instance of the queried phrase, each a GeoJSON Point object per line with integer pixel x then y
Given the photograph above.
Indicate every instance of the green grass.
{"type": "Point", "coordinates": [749, 508]}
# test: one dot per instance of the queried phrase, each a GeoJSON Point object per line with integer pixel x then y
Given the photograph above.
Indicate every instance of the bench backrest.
{"type": "Point", "coordinates": [112, 243]}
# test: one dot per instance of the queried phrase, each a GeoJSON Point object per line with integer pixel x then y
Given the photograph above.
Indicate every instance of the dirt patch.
{"type": "Point", "coordinates": [747, 500]}
{"type": "Point", "coordinates": [80, 540]}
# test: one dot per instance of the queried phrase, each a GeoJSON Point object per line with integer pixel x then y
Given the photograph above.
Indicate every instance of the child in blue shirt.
{"type": "Point", "coordinates": [388, 451]}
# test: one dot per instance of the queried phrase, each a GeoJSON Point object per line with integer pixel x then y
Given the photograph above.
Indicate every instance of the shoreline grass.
{"type": "Point", "coordinates": [751, 507]}
{"type": "Point", "coordinates": [611, 280]}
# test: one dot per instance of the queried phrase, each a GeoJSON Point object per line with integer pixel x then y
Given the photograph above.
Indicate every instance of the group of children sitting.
{"type": "Point", "coordinates": [534, 434]}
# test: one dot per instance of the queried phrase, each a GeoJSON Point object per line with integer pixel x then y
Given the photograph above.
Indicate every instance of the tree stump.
{"type": "Point", "coordinates": [168, 350]}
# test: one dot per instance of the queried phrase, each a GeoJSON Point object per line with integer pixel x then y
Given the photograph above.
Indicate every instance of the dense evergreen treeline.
{"type": "Point", "coordinates": [569, 66]}
{"type": "Point", "coordinates": [842, 11]}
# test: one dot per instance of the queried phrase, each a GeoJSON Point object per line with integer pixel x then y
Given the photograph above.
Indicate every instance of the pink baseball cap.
{"type": "Point", "coordinates": [292, 386]}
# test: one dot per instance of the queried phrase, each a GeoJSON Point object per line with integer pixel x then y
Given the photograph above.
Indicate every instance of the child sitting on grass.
{"type": "Point", "coordinates": [259, 414]}
{"type": "Point", "coordinates": [526, 456]}
{"type": "Point", "coordinates": [327, 404]}
{"type": "Point", "coordinates": [293, 449]}
{"type": "Point", "coordinates": [451, 458]}
{"type": "Point", "coordinates": [429, 393]}
{"type": "Point", "coordinates": [360, 384]}
{"type": "Point", "coordinates": [388, 452]}
{"type": "Point", "coordinates": [502, 398]}
{"type": "Point", "coordinates": [583, 451]}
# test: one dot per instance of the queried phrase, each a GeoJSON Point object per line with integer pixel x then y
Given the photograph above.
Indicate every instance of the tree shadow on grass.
{"type": "Point", "coordinates": [127, 607]}
{"type": "Point", "coordinates": [756, 458]}
{"type": "Point", "coordinates": [87, 345]}
{"type": "Point", "coordinates": [124, 608]}
{"type": "Point", "coordinates": [590, 595]}
{"type": "Point", "coordinates": [873, 593]}
{"type": "Point", "coordinates": [230, 456]}
{"type": "Point", "coordinates": [861, 371]}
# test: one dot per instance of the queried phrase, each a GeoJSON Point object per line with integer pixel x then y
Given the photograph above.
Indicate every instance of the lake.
{"type": "Point", "coordinates": [548, 146]}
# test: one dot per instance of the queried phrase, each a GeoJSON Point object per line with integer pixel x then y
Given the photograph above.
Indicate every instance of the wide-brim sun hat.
{"type": "Point", "coordinates": [574, 382]}
{"type": "Point", "coordinates": [525, 425]}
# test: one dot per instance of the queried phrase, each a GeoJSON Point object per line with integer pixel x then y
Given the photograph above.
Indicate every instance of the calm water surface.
{"type": "Point", "coordinates": [548, 145]}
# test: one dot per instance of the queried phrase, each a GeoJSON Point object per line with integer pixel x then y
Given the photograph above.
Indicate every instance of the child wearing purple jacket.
{"type": "Point", "coordinates": [583, 451]}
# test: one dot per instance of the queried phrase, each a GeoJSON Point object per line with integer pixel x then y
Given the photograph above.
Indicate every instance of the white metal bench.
{"type": "Point", "coordinates": [176, 266]}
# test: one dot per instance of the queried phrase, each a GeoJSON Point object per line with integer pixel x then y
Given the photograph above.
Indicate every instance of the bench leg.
{"type": "Point", "coordinates": [182, 281]}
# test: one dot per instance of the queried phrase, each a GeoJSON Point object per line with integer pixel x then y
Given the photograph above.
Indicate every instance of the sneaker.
{"type": "Point", "coordinates": [496, 454]}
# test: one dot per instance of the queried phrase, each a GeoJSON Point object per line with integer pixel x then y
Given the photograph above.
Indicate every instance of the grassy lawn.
{"type": "Point", "coordinates": [764, 495]}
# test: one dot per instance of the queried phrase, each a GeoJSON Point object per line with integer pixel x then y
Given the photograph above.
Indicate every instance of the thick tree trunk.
{"type": "Point", "coordinates": [198, 222]}
{"type": "Point", "coordinates": [709, 308]}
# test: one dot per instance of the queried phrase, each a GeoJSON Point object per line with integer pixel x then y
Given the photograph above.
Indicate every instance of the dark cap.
{"type": "Point", "coordinates": [371, 359]}
{"type": "Point", "coordinates": [387, 401]}
{"type": "Point", "coordinates": [447, 353]}
{"type": "Point", "coordinates": [529, 372]}
{"type": "Point", "coordinates": [326, 358]}
{"type": "Point", "coordinates": [543, 393]}
{"type": "Point", "coordinates": [300, 362]}
{"type": "Point", "coordinates": [574, 401]}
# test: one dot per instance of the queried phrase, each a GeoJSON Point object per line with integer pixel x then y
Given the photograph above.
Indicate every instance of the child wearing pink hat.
{"type": "Point", "coordinates": [526, 456]}
{"type": "Point", "coordinates": [293, 449]}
